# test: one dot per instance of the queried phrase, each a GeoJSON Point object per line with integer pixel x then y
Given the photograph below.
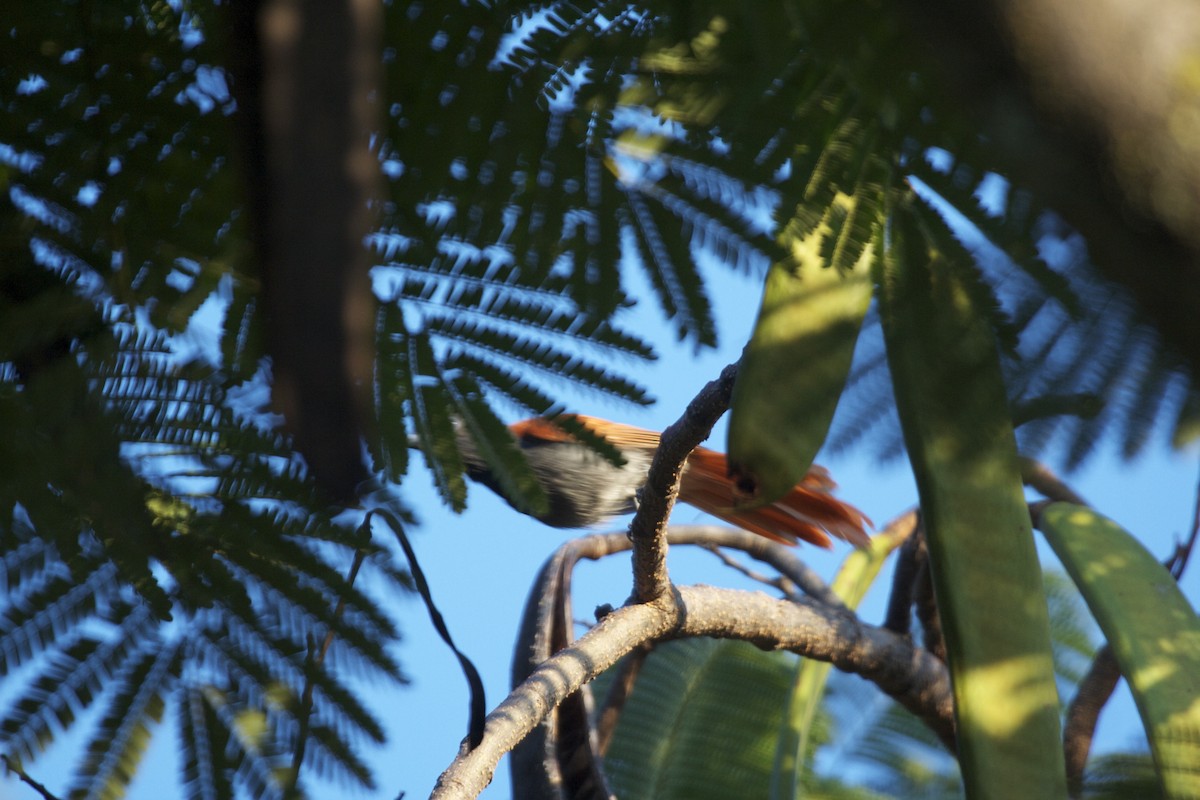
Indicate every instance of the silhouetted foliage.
{"type": "Point", "coordinates": [162, 541]}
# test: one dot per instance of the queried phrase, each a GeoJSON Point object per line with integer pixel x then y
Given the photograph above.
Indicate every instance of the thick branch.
{"type": "Point", "coordinates": [913, 677]}
{"type": "Point", "coordinates": [657, 497]}
{"type": "Point", "coordinates": [560, 756]}
{"type": "Point", "coordinates": [305, 74]}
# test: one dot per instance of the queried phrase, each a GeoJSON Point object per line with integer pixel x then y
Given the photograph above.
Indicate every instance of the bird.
{"type": "Point", "coordinates": [585, 489]}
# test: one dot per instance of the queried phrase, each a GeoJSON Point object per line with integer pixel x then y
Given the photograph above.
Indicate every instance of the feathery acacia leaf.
{"type": "Point", "coordinates": [203, 742]}
{"type": "Point", "coordinates": [494, 442]}
{"type": "Point", "coordinates": [121, 737]}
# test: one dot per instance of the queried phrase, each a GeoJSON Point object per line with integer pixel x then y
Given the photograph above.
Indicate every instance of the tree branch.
{"type": "Point", "coordinates": [618, 693]}
{"type": "Point", "coordinates": [648, 530]}
{"type": "Point", "coordinates": [781, 583]}
{"type": "Point", "coordinates": [1042, 479]}
{"type": "Point", "coordinates": [913, 677]}
{"type": "Point", "coordinates": [782, 558]}
{"type": "Point", "coordinates": [14, 767]}
{"type": "Point", "coordinates": [1084, 712]}
{"type": "Point", "coordinates": [1178, 561]}
{"type": "Point", "coordinates": [898, 618]}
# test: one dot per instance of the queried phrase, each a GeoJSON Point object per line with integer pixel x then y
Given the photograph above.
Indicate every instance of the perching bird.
{"type": "Point", "coordinates": [585, 489]}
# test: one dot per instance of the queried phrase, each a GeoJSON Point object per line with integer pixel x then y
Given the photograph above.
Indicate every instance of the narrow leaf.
{"type": "Point", "coordinates": [954, 414]}
{"type": "Point", "coordinates": [1151, 627]}
{"type": "Point", "coordinates": [701, 723]}
{"type": "Point", "coordinates": [495, 444]}
{"type": "Point", "coordinates": [794, 368]}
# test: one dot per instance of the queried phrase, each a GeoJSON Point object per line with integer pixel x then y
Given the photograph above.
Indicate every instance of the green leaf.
{"type": "Point", "coordinates": [794, 368]}
{"type": "Point", "coordinates": [430, 409]}
{"type": "Point", "coordinates": [495, 444]}
{"type": "Point", "coordinates": [122, 736]}
{"type": "Point", "coordinates": [954, 414]}
{"type": "Point", "coordinates": [1151, 627]}
{"type": "Point", "coordinates": [204, 769]}
{"type": "Point", "coordinates": [701, 723]}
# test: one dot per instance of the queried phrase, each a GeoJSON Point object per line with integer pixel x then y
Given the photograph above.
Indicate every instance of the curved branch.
{"type": "Point", "coordinates": [556, 757]}
{"type": "Point", "coordinates": [913, 677]}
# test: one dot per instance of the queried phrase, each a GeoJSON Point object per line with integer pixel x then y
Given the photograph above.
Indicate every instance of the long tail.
{"type": "Point", "coordinates": [807, 512]}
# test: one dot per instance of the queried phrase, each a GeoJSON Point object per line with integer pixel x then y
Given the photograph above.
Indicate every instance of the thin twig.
{"type": "Point", "coordinates": [1183, 552]}
{"type": "Point", "coordinates": [782, 558]}
{"type": "Point", "coordinates": [924, 599]}
{"type": "Point", "coordinates": [648, 530]}
{"type": "Point", "coordinates": [1040, 477]}
{"type": "Point", "coordinates": [311, 663]}
{"type": "Point", "coordinates": [780, 582]}
{"type": "Point", "coordinates": [904, 580]}
{"type": "Point", "coordinates": [15, 768]}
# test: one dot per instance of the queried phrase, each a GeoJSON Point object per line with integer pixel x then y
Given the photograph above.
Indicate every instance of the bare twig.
{"type": "Point", "coordinates": [924, 600]}
{"type": "Point", "coordinates": [780, 582]}
{"type": "Point", "coordinates": [1183, 552]}
{"type": "Point", "coordinates": [657, 496]}
{"type": "Point", "coordinates": [1084, 712]}
{"type": "Point", "coordinates": [561, 755]}
{"type": "Point", "coordinates": [15, 768]}
{"type": "Point", "coordinates": [913, 677]}
{"type": "Point", "coordinates": [782, 558]}
{"type": "Point", "coordinates": [904, 581]}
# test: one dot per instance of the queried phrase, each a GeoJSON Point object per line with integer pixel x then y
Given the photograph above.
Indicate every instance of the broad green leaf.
{"type": "Point", "coordinates": [1151, 627]}
{"type": "Point", "coordinates": [855, 577]}
{"type": "Point", "coordinates": [795, 368]}
{"type": "Point", "coordinates": [954, 413]}
{"type": "Point", "coordinates": [701, 723]}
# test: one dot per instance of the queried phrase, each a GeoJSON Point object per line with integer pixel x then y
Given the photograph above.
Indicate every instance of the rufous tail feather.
{"type": "Point", "coordinates": [807, 512]}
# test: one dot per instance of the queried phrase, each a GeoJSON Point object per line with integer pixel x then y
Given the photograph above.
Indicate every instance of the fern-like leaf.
{"type": "Point", "coordinates": [121, 736]}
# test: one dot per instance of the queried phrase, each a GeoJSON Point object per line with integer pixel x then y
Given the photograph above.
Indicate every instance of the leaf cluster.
{"type": "Point", "coordinates": [162, 543]}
